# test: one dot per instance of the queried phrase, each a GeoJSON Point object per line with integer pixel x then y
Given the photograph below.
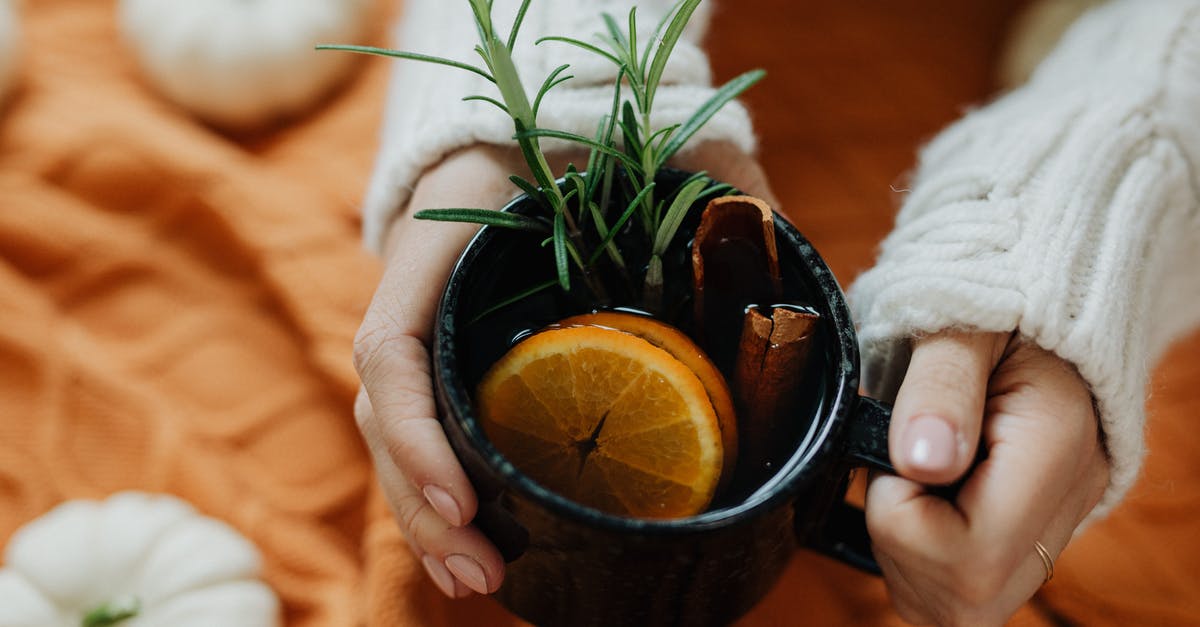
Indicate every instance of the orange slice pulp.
{"type": "Point", "coordinates": [607, 419]}
{"type": "Point", "coordinates": [685, 350]}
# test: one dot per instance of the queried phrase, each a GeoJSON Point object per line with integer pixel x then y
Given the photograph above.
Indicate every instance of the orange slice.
{"type": "Point", "coordinates": [685, 350]}
{"type": "Point", "coordinates": [606, 419]}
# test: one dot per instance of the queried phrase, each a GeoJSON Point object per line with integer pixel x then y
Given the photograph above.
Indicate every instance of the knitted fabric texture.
{"type": "Point", "coordinates": [427, 119]}
{"type": "Point", "coordinates": [1066, 210]}
{"type": "Point", "coordinates": [10, 45]}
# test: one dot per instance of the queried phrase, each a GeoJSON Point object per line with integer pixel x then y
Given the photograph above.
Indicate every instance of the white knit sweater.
{"type": "Point", "coordinates": [1068, 210]}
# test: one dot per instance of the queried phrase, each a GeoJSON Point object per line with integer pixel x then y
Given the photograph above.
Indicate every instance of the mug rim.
{"type": "Point", "coordinates": [834, 411]}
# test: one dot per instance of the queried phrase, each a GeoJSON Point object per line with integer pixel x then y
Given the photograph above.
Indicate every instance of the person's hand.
{"type": "Point", "coordinates": [422, 480]}
{"type": "Point", "coordinates": [427, 490]}
{"type": "Point", "coordinates": [972, 561]}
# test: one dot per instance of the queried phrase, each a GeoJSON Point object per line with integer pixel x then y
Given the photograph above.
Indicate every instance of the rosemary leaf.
{"type": "Point", "coordinates": [598, 162]}
{"type": "Point", "coordinates": [703, 174]}
{"type": "Point", "coordinates": [401, 54]}
{"type": "Point", "coordinates": [551, 81]}
{"type": "Point", "coordinates": [560, 252]}
{"type": "Point", "coordinates": [513, 299]}
{"type": "Point", "coordinates": [633, 205]}
{"type": "Point", "coordinates": [633, 47]}
{"type": "Point", "coordinates": [675, 214]}
{"type": "Point", "coordinates": [613, 252]}
{"type": "Point", "coordinates": [516, 27]}
{"type": "Point", "coordinates": [629, 125]}
{"type": "Point", "coordinates": [586, 141]}
{"type": "Point", "coordinates": [614, 31]}
{"type": "Point", "coordinates": [569, 196]}
{"type": "Point", "coordinates": [666, 45]}
{"type": "Point", "coordinates": [654, 38]}
{"type": "Point", "coordinates": [582, 44]}
{"type": "Point", "coordinates": [486, 59]}
{"type": "Point", "coordinates": [483, 18]}
{"type": "Point", "coordinates": [606, 186]}
{"type": "Point", "coordinates": [717, 190]}
{"type": "Point", "coordinates": [594, 159]}
{"type": "Point", "coordinates": [727, 92]}
{"type": "Point", "coordinates": [662, 134]}
{"type": "Point", "coordinates": [486, 99]}
{"type": "Point", "coordinates": [487, 217]}
{"type": "Point", "coordinates": [580, 191]}
{"type": "Point", "coordinates": [524, 185]}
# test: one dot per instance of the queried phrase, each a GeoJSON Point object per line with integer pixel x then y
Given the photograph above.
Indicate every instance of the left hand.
{"type": "Point", "coordinates": [972, 561]}
{"type": "Point", "coordinates": [424, 484]}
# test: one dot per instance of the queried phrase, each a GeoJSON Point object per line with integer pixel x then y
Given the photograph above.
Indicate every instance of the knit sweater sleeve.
{"type": "Point", "coordinates": [1068, 211]}
{"type": "Point", "coordinates": [426, 118]}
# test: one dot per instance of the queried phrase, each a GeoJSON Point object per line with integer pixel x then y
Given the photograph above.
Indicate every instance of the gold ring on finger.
{"type": "Point", "coordinates": [1047, 561]}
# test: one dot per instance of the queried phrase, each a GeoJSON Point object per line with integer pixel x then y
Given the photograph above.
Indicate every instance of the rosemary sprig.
{"type": "Point", "coordinates": [577, 224]}
{"type": "Point", "coordinates": [647, 149]}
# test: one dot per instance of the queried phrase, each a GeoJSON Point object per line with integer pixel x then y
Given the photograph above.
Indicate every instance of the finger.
{"type": "Point", "coordinates": [918, 533]}
{"type": "Point", "coordinates": [392, 359]}
{"type": "Point", "coordinates": [395, 372]}
{"type": "Point", "coordinates": [935, 573]}
{"type": "Point", "coordinates": [980, 599]}
{"type": "Point", "coordinates": [902, 593]}
{"type": "Point", "coordinates": [1033, 573]}
{"type": "Point", "coordinates": [1045, 455]}
{"type": "Point", "coordinates": [982, 554]}
{"type": "Point", "coordinates": [939, 408]}
{"type": "Point", "coordinates": [453, 556]}
{"type": "Point", "coordinates": [964, 551]}
{"type": "Point", "coordinates": [912, 526]}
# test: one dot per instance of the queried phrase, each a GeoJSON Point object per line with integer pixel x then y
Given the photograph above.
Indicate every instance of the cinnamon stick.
{"type": "Point", "coordinates": [771, 357]}
{"type": "Point", "coordinates": [734, 264]}
{"type": "Point", "coordinates": [737, 284]}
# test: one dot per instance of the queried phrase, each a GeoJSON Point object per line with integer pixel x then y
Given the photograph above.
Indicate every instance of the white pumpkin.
{"type": "Point", "coordinates": [10, 45]}
{"type": "Point", "coordinates": [242, 63]}
{"type": "Point", "coordinates": [133, 560]}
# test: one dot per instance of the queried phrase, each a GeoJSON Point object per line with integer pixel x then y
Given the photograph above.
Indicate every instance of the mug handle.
{"type": "Point", "coordinates": [845, 535]}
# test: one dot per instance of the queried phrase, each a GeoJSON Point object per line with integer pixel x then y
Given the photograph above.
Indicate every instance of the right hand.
{"type": "Point", "coordinates": [424, 484]}
{"type": "Point", "coordinates": [971, 561]}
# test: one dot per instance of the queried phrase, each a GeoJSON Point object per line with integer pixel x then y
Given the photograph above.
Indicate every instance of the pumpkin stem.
{"type": "Point", "coordinates": [113, 612]}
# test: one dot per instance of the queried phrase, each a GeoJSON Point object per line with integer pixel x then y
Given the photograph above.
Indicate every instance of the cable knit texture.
{"type": "Point", "coordinates": [427, 119]}
{"type": "Point", "coordinates": [1066, 210]}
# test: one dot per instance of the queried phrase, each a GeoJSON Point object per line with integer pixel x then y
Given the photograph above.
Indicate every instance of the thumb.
{"type": "Point", "coordinates": [938, 413]}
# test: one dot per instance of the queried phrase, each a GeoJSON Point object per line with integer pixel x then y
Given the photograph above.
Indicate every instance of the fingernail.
{"type": "Point", "coordinates": [443, 504]}
{"type": "Point", "coordinates": [469, 572]}
{"type": "Point", "coordinates": [931, 444]}
{"type": "Point", "coordinates": [440, 576]}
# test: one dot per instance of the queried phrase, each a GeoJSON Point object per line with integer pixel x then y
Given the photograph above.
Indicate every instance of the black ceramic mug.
{"type": "Point", "coordinates": [573, 566]}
